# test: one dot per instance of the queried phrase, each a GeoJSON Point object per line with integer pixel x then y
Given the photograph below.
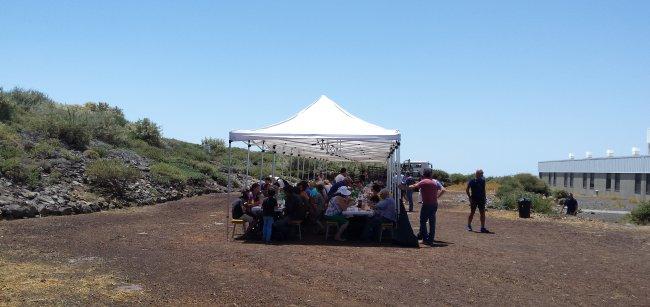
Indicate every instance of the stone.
{"type": "Point", "coordinates": [50, 209]}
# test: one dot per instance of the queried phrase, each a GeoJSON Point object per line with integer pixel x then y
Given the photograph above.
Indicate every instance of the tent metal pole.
{"type": "Point", "coordinates": [399, 167]}
{"type": "Point", "coordinates": [262, 164]}
{"type": "Point", "coordinates": [248, 164]}
{"type": "Point", "coordinates": [273, 170]}
{"type": "Point", "coordinates": [290, 165]}
{"type": "Point", "coordinates": [229, 187]}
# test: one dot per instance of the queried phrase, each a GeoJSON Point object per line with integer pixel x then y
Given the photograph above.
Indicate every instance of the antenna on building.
{"type": "Point", "coordinates": [571, 156]}
{"type": "Point", "coordinates": [588, 155]}
{"type": "Point", "coordinates": [636, 151]}
{"type": "Point", "coordinates": [609, 153]}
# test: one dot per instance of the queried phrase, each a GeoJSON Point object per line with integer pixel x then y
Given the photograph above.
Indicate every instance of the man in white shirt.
{"type": "Point", "coordinates": [341, 176]}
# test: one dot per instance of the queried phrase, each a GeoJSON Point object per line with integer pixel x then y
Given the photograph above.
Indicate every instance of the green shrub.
{"type": "Point", "coordinates": [560, 194]}
{"type": "Point", "coordinates": [46, 149]}
{"type": "Point", "coordinates": [142, 148]}
{"type": "Point", "coordinates": [214, 146]}
{"type": "Point", "coordinates": [7, 109]}
{"type": "Point", "coordinates": [147, 131]}
{"type": "Point", "coordinates": [532, 183]}
{"type": "Point", "coordinates": [107, 123]}
{"type": "Point", "coordinates": [20, 171]}
{"type": "Point", "coordinates": [641, 214]}
{"type": "Point", "coordinates": [176, 174]}
{"type": "Point", "coordinates": [10, 145]}
{"type": "Point", "coordinates": [442, 176]}
{"type": "Point", "coordinates": [112, 175]}
{"type": "Point", "coordinates": [457, 178]}
{"type": "Point", "coordinates": [539, 203]}
{"type": "Point", "coordinates": [91, 154]}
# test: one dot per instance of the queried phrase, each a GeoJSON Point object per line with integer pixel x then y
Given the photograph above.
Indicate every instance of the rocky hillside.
{"type": "Point", "coordinates": [58, 159]}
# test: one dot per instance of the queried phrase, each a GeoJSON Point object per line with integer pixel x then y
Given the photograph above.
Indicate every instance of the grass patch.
{"type": "Point", "coordinates": [112, 175]}
{"type": "Point", "coordinates": [641, 214]}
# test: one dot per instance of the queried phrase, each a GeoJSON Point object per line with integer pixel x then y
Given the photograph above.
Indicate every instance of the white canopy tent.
{"type": "Point", "coordinates": [324, 131]}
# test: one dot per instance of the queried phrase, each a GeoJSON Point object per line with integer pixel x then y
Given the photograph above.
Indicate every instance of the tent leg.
{"type": "Point", "coordinates": [399, 192]}
{"type": "Point", "coordinates": [262, 165]}
{"type": "Point", "coordinates": [248, 164]}
{"type": "Point", "coordinates": [273, 168]}
{"type": "Point", "coordinates": [229, 187]}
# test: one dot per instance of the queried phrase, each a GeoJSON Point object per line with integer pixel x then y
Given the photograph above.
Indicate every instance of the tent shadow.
{"type": "Point", "coordinates": [312, 241]}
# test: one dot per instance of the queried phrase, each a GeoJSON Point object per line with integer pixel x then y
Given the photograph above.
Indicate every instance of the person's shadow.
{"type": "Point", "coordinates": [437, 243]}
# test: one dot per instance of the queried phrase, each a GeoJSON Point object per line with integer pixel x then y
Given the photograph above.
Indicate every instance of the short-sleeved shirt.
{"type": "Point", "coordinates": [429, 191]}
{"type": "Point", "coordinates": [339, 178]}
{"type": "Point", "coordinates": [477, 189]}
{"type": "Point", "coordinates": [386, 208]}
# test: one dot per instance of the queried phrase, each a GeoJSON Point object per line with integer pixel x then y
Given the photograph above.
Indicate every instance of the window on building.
{"type": "Point", "coordinates": [549, 178]}
{"type": "Point", "coordinates": [637, 183]}
{"type": "Point", "coordinates": [584, 181]}
{"type": "Point", "coordinates": [608, 182]}
{"type": "Point", "coordinates": [566, 179]}
{"type": "Point", "coordinates": [617, 182]}
{"type": "Point", "coordinates": [571, 180]}
{"type": "Point", "coordinates": [647, 184]}
{"type": "Point", "coordinates": [591, 180]}
{"type": "Point", "coordinates": [554, 179]}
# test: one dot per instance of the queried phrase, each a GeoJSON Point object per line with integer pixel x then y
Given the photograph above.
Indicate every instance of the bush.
{"type": "Point", "coordinates": [91, 154]}
{"type": "Point", "coordinates": [214, 146]}
{"type": "Point", "coordinates": [107, 123]}
{"type": "Point", "coordinates": [46, 149]}
{"type": "Point", "coordinates": [10, 145]}
{"type": "Point", "coordinates": [147, 131]}
{"type": "Point", "coordinates": [539, 203]}
{"type": "Point", "coordinates": [457, 178]}
{"type": "Point", "coordinates": [641, 214]}
{"type": "Point", "coordinates": [441, 176]}
{"type": "Point", "coordinates": [21, 171]}
{"type": "Point", "coordinates": [175, 174]}
{"type": "Point", "coordinates": [560, 194]}
{"type": "Point", "coordinates": [7, 109]}
{"type": "Point", "coordinates": [532, 184]}
{"type": "Point", "coordinates": [112, 175]}
{"type": "Point", "coordinates": [142, 148]}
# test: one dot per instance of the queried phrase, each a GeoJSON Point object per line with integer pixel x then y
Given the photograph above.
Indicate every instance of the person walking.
{"type": "Point", "coordinates": [430, 191]}
{"type": "Point", "coordinates": [268, 211]}
{"type": "Point", "coordinates": [477, 198]}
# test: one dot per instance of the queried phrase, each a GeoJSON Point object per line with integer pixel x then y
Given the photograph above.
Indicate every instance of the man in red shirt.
{"type": "Point", "coordinates": [430, 191]}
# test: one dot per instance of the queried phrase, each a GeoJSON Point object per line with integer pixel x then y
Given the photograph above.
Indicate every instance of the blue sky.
{"type": "Point", "coordinates": [492, 84]}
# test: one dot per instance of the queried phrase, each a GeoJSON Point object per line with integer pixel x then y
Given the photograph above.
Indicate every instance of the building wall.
{"type": "Point", "coordinates": [626, 190]}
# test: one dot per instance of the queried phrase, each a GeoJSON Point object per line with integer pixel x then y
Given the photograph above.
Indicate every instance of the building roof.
{"type": "Point", "coordinates": [630, 164]}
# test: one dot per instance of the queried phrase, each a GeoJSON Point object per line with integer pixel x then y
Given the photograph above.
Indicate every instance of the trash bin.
{"type": "Point", "coordinates": [524, 205]}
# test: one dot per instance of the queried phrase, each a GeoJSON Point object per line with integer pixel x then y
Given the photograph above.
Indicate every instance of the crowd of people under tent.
{"type": "Point", "coordinates": [271, 207]}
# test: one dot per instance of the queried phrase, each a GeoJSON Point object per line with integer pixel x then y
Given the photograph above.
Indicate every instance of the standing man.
{"type": "Point", "coordinates": [408, 193]}
{"type": "Point", "coordinates": [430, 191]}
{"type": "Point", "coordinates": [477, 198]}
{"type": "Point", "coordinates": [341, 176]}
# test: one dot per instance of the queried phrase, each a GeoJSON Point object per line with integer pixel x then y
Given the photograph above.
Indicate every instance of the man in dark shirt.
{"type": "Point", "coordinates": [477, 199]}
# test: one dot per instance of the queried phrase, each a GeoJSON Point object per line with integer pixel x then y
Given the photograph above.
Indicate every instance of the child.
{"type": "Point", "coordinates": [268, 211]}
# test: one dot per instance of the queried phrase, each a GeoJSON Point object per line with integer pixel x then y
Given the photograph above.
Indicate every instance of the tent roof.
{"type": "Point", "coordinates": [325, 130]}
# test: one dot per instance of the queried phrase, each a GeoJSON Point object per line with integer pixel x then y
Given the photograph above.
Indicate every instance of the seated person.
{"type": "Point", "coordinates": [385, 212]}
{"type": "Point", "coordinates": [571, 205]}
{"type": "Point", "coordinates": [343, 183]}
{"type": "Point", "coordinates": [266, 184]}
{"type": "Point", "coordinates": [255, 195]}
{"type": "Point", "coordinates": [374, 196]}
{"type": "Point", "coordinates": [334, 212]}
{"type": "Point", "coordinates": [239, 209]}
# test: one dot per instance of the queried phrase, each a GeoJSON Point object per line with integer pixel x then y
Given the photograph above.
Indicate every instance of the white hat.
{"type": "Point", "coordinates": [344, 191]}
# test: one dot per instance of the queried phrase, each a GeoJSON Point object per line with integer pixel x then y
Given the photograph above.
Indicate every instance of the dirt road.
{"type": "Point", "coordinates": [177, 253]}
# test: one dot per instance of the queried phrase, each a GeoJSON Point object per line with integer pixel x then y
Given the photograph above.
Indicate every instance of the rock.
{"type": "Point", "coordinates": [18, 211]}
{"type": "Point", "coordinates": [50, 209]}
{"type": "Point", "coordinates": [65, 210]}
{"type": "Point", "coordinates": [95, 207]}
{"type": "Point", "coordinates": [29, 194]}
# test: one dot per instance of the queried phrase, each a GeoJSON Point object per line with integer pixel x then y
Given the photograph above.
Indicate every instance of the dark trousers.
{"type": "Point", "coordinates": [428, 213]}
{"type": "Point", "coordinates": [409, 198]}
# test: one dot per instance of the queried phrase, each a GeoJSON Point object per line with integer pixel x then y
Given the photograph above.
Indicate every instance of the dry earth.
{"type": "Point", "coordinates": [176, 253]}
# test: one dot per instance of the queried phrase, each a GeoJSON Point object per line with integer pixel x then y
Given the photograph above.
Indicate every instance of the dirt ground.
{"type": "Point", "coordinates": [177, 253]}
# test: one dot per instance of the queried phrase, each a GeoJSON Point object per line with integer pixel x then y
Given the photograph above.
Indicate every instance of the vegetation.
{"type": "Point", "coordinates": [641, 214]}
{"type": "Point", "coordinates": [527, 186]}
{"type": "Point", "coordinates": [112, 175]}
{"type": "Point", "coordinates": [441, 176]}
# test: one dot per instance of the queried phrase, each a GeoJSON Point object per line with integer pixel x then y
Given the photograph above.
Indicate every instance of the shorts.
{"type": "Point", "coordinates": [339, 219]}
{"type": "Point", "coordinates": [480, 204]}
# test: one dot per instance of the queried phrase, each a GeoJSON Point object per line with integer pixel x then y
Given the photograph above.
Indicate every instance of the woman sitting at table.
{"type": "Point", "coordinates": [255, 195]}
{"type": "Point", "coordinates": [334, 213]}
{"type": "Point", "coordinates": [385, 212]}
